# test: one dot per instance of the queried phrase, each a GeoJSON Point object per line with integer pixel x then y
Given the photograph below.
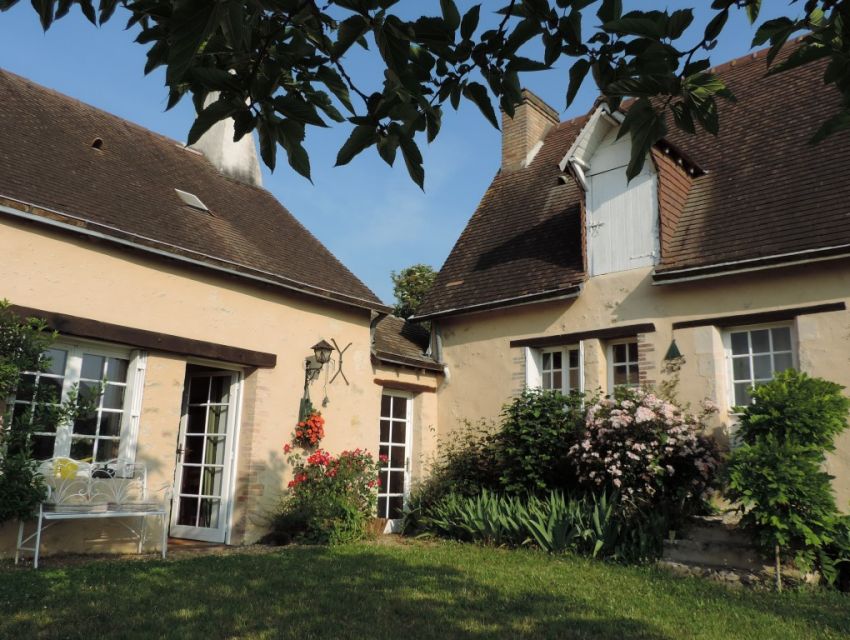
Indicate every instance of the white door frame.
{"type": "Point", "coordinates": [394, 525]}
{"type": "Point", "coordinates": [222, 533]}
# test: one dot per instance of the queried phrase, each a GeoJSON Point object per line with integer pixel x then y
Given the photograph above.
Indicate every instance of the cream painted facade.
{"type": "Point", "coordinates": [484, 371]}
{"type": "Point", "coordinates": [60, 273]}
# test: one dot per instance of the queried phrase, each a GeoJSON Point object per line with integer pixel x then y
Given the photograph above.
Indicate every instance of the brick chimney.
{"type": "Point", "coordinates": [237, 160]}
{"type": "Point", "coordinates": [523, 134]}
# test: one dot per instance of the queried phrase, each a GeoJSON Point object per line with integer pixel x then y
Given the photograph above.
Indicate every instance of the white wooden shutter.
{"type": "Point", "coordinates": [133, 404]}
{"type": "Point", "coordinates": [533, 366]}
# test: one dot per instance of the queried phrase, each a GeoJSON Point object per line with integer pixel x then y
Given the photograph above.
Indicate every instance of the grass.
{"type": "Point", "coordinates": [408, 591]}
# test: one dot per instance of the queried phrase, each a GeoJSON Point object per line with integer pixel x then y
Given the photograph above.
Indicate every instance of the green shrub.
{"type": "Point", "coordinates": [776, 474]}
{"type": "Point", "coordinates": [537, 429]}
{"type": "Point", "coordinates": [465, 463]}
{"type": "Point", "coordinates": [330, 500]}
{"type": "Point", "coordinates": [554, 522]}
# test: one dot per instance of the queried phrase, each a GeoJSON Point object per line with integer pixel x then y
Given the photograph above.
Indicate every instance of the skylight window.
{"type": "Point", "coordinates": [192, 200]}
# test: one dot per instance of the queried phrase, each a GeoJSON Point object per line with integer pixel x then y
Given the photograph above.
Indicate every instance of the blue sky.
{"type": "Point", "coordinates": [370, 215]}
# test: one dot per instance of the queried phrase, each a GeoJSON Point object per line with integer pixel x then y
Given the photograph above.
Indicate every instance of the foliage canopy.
{"type": "Point", "coordinates": [280, 66]}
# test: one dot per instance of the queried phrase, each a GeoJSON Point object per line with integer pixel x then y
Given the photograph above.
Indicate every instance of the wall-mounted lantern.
{"type": "Point", "coordinates": [322, 351]}
{"type": "Point", "coordinates": [673, 352]}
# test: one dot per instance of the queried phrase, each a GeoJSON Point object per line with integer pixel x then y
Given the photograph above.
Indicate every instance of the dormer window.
{"type": "Point", "coordinates": [621, 217]}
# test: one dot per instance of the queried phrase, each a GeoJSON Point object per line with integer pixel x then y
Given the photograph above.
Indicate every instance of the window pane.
{"type": "Point", "coordinates": [89, 391]}
{"type": "Point", "coordinates": [557, 380]}
{"type": "Point", "coordinates": [547, 361]}
{"type": "Point", "coordinates": [742, 393]}
{"type": "Point", "coordinates": [110, 424]}
{"type": "Point", "coordinates": [634, 374]}
{"type": "Point", "coordinates": [619, 353]}
{"type": "Point", "coordinates": [557, 360]}
{"type": "Point", "coordinates": [113, 396]}
{"type": "Point", "coordinates": [208, 515]}
{"type": "Point", "coordinates": [740, 343]}
{"type": "Point", "coordinates": [116, 370]}
{"type": "Point", "coordinates": [57, 358]}
{"type": "Point", "coordinates": [212, 481]}
{"type": "Point", "coordinates": [399, 407]}
{"type": "Point", "coordinates": [220, 389]}
{"type": "Point", "coordinates": [573, 358]}
{"type": "Point", "coordinates": [199, 389]}
{"type": "Point", "coordinates": [399, 432]}
{"type": "Point", "coordinates": [395, 505]}
{"type": "Point", "coordinates": [762, 367]}
{"type": "Point", "coordinates": [21, 414]}
{"type": "Point", "coordinates": [107, 450]}
{"type": "Point", "coordinates": [188, 512]}
{"type": "Point", "coordinates": [82, 448]}
{"type": "Point", "coordinates": [384, 450]}
{"type": "Point", "coordinates": [86, 425]}
{"type": "Point", "coordinates": [382, 507]}
{"type": "Point", "coordinates": [385, 430]}
{"type": "Point", "coordinates": [383, 478]}
{"type": "Point", "coordinates": [92, 367]}
{"type": "Point", "coordinates": [547, 380]}
{"type": "Point", "coordinates": [193, 449]}
{"type": "Point", "coordinates": [42, 447]}
{"type": "Point", "coordinates": [191, 482]}
{"type": "Point", "coordinates": [50, 389]}
{"type": "Point", "coordinates": [620, 375]}
{"type": "Point", "coordinates": [574, 381]}
{"type": "Point", "coordinates": [26, 388]}
{"type": "Point", "coordinates": [781, 339]}
{"type": "Point", "coordinates": [396, 482]}
{"type": "Point", "coordinates": [741, 368]}
{"type": "Point", "coordinates": [217, 419]}
{"type": "Point", "coordinates": [782, 361]}
{"type": "Point", "coordinates": [397, 458]}
{"type": "Point", "coordinates": [385, 406]}
{"type": "Point", "coordinates": [633, 351]}
{"type": "Point", "coordinates": [195, 419]}
{"type": "Point", "coordinates": [215, 451]}
{"type": "Point", "coordinates": [760, 340]}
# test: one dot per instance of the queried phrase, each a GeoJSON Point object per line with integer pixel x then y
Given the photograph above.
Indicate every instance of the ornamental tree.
{"type": "Point", "coordinates": [281, 66]}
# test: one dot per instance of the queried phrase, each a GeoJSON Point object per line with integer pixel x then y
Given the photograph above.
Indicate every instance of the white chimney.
{"type": "Point", "coordinates": [237, 160]}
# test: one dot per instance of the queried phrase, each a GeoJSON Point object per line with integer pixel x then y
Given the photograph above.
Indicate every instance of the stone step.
{"type": "Point", "coordinates": [728, 555]}
{"type": "Point", "coordinates": [715, 531]}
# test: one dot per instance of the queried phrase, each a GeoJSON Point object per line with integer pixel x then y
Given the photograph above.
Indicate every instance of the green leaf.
{"type": "Point", "coordinates": [215, 79]}
{"type": "Point", "coordinates": [268, 142]}
{"type": "Point", "coordinates": [192, 23]}
{"type": "Point", "coordinates": [348, 32]}
{"type": "Point", "coordinates": [753, 9]}
{"type": "Point", "coordinates": [362, 137]}
{"type": "Point", "coordinates": [294, 107]}
{"type": "Point", "coordinates": [637, 23]}
{"type": "Point", "coordinates": [646, 128]}
{"type": "Point", "coordinates": [715, 26]}
{"type": "Point", "coordinates": [679, 21]}
{"type": "Point", "coordinates": [610, 10]}
{"type": "Point", "coordinates": [470, 22]}
{"type": "Point", "coordinates": [578, 72]}
{"type": "Point", "coordinates": [290, 135]}
{"type": "Point", "coordinates": [333, 81]}
{"type": "Point", "coordinates": [477, 93]}
{"type": "Point", "coordinates": [45, 12]}
{"type": "Point", "coordinates": [214, 112]}
{"type": "Point", "coordinates": [107, 8]}
{"type": "Point", "coordinates": [450, 14]}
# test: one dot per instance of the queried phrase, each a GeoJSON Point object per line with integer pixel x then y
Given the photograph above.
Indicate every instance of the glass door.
{"type": "Point", "coordinates": [202, 475]}
{"type": "Point", "coordinates": [394, 451]}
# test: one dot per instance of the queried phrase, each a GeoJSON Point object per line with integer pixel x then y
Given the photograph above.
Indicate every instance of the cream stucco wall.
{"type": "Point", "coordinates": [484, 371]}
{"type": "Point", "coordinates": [58, 273]}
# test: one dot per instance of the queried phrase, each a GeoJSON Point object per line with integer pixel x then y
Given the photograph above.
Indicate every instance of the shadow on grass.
{"type": "Point", "coordinates": [362, 591]}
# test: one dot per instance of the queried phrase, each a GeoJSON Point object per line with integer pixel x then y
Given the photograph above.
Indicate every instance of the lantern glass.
{"type": "Point", "coordinates": [323, 351]}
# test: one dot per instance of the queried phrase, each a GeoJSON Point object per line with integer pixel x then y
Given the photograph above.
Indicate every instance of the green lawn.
{"type": "Point", "coordinates": [403, 592]}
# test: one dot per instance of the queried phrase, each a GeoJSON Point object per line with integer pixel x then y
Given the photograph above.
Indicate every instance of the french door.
{"type": "Point", "coordinates": [394, 449]}
{"type": "Point", "coordinates": [204, 456]}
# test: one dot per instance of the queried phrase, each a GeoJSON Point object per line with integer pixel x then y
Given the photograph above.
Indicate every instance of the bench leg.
{"type": "Point", "coordinates": [20, 542]}
{"type": "Point", "coordinates": [38, 537]}
{"type": "Point", "coordinates": [164, 519]}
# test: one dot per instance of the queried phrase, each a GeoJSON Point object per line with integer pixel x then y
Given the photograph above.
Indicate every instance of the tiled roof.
{"type": "Point", "coordinates": [403, 343]}
{"type": "Point", "coordinates": [126, 190]}
{"type": "Point", "coordinates": [524, 238]}
{"type": "Point", "coordinates": [765, 192]}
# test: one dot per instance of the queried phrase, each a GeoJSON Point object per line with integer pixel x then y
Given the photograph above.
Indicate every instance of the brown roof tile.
{"type": "Point", "coordinates": [126, 190]}
{"type": "Point", "coordinates": [403, 342]}
{"type": "Point", "coordinates": [765, 191]}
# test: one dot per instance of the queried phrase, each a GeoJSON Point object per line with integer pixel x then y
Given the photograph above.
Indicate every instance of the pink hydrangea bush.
{"type": "Point", "coordinates": [647, 449]}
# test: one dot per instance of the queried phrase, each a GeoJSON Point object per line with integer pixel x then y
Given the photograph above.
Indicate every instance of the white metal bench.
{"type": "Point", "coordinates": [79, 490]}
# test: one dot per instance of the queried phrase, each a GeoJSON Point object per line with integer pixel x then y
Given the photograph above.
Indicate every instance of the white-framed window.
{"type": "Point", "coordinates": [623, 367]}
{"type": "Point", "coordinates": [755, 355]}
{"type": "Point", "coordinates": [394, 453]}
{"type": "Point", "coordinates": [110, 429]}
{"type": "Point", "coordinates": [555, 368]}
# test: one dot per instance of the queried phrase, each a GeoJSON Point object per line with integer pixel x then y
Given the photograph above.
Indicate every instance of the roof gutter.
{"type": "Point", "coordinates": [317, 292]}
{"type": "Point", "coordinates": [531, 298]}
{"type": "Point", "coordinates": [751, 264]}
